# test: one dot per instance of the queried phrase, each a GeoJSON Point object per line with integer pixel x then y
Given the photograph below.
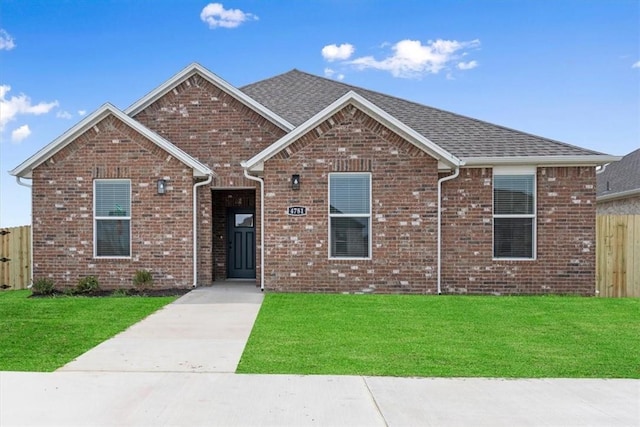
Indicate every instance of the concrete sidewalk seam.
{"type": "Point", "coordinates": [375, 402]}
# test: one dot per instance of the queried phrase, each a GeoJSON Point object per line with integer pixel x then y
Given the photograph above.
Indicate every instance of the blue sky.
{"type": "Point", "coordinates": [563, 69]}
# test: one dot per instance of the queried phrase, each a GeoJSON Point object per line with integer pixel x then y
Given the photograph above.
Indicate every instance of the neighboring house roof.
{"type": "Point", "coordinates": [24, 170]}
{"type": "Point", "coordinates": [297, 96]}
{"type": "Point", "coordinates": [352, 98]}
{"type": "Point", "coordinates": [195, 68]}
{"type": "Point", "coordinates": [620, 179]}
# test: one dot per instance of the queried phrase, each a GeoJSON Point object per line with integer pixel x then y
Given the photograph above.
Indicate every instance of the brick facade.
{"type": "Point", "coordinates": [623, 206]}
{"type": "Point", "coordinates": [565, 261]}
{"type": "Point", "coordinates": [218, 130]}
{"type": "Point", "coordinates": [161, 236]}
{"type": "Point", "coordinates": [404, 197]}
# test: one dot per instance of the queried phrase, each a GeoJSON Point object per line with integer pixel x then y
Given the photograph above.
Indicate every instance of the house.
{"type": "Point", "coordinates": [618, 187]}
{"type": "Point", "coordinates": [306, 184]}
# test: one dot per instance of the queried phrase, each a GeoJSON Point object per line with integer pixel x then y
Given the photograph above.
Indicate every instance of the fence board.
{"type": "Point", "coordinates": [15, 244]}
{"type": "Point", "coordinates": [618, 255]}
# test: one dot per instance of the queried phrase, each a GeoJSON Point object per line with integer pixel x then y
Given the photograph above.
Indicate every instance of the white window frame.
{"type": "Point", "coordinates": [97, 218]}
{"type": "Point", "coordinates": [516, 170]}
{"type": "Point", "coordinates": [334, 215]}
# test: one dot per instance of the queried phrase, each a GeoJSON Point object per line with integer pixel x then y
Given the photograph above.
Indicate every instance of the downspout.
{"type": "Point", "coordinates": [24, 184]}
{"type": "Point", "coordinates": [440, 181]}
{"type": "Point", "coordinates": [261, 181]}
{"type": "Point", "coordinates": [195, 227]}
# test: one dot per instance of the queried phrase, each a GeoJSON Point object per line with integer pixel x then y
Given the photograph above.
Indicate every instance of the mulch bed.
{"type": "Point", "coordinates": [120, 292]}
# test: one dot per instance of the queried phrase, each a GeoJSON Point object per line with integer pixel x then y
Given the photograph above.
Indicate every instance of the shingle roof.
{"type": "Point", "coordinates": [621, 176]}
{"type": "Point", "coordinates": [296, 96]}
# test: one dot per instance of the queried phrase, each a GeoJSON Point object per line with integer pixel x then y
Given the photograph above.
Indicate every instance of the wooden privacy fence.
{"type": "Point", "coordinates": [15, 257]}
{"type": "Point", "coordinates": [618, 255]}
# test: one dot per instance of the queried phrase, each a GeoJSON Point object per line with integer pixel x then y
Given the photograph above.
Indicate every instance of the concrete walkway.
{"type": "Point", "coordinates": [175, 368]}
{"type": "Point", "coordinates": [203, 331]}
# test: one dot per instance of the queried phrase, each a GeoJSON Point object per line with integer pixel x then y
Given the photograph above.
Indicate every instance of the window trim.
{"type": "Point", "coordinates": [516, 170]}
{"type": "Point", "coordinates": [99, 218]}
{"type": "Point", "coordinates": [334, 215]}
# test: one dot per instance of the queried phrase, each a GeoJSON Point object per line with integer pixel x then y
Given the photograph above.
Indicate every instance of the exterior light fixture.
{"type": "Point", "coordinates": [295, 182]}
{"type": "Point", "coordinates": [162, 186]}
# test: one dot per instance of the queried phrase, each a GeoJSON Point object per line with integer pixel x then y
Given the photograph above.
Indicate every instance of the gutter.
{"type": "Point", "coordinates": [602, 169]}
{"type": "Point", "coordinates": [261, 181]}
{"type": "Point", "coordinates": [440, 181]}
{"type": "Point", "coordinates": [195, 227]}
{"type": "Point", "coordinates": [619, 195]}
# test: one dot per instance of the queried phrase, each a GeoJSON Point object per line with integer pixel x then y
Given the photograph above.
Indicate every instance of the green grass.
{"type": "Point", "coordinates": [445, 336]}
{"type": "Point", "coordinates": [42, 334]}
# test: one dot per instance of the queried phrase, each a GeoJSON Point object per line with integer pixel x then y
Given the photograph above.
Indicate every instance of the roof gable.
{"type": "Point", "coordinates": [446, 159]}
{"type": "Point", "coordinates": [297, 96]}
{"type": "Point", "coordinates": [195, 68]}
{"type": "Point", "coordinates": [24, 170]}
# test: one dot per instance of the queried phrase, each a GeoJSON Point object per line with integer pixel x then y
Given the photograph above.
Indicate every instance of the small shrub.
{"type": "Point", "coordinates": [43, 286]}
{"type": "Point", "coordinates": [87, 285]}
{"type": "Point", "coordinates": [142, 279]}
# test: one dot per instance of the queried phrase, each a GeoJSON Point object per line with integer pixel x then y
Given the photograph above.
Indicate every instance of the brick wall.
{"type": "Point", "coordinates": [161, 236]}
{"type": "Point", "coordinates": [626, 206]}
{"type": "Point", "coordinates": [219, 131]}
{"type": "Point", "coordinates": [565, 236]}
{"type": "Point", "coordinates": [403, 211]}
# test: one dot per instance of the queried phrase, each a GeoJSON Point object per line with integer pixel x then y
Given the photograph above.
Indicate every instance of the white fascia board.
{"type": "Point", "coordinates": [405, 131]}
{"type": "Point", "coordinates": [196, 68]}
{"type": "Point", "coordinates": [24, 170]}
{"type": "Point", "coordinates": [586, 160]}
{"type": "Point", "coordinates": [619, 195]}
{"type": "Point", "coordinates": [359, 102]}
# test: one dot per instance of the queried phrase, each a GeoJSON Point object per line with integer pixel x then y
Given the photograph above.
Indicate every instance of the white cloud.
{"type": "Point", "coordinates": [330, 73]}
{"type": "Point", "coordinates": [20, 133]}
{"type": "Point", "coordinates": [412, 59]}
{"type": "Point", "coordinates": [215, 15]}
{"type": "Point", "coordinates": [467, 65]}
{"type": "Point", "coordinates": [82, 112]}
{"type": "Point", "coordinates": [636, 65]}
{"type": "Point", "coordinates": [17, 105]}
{"type": "Point", "coordinates": [6, 41]}
{"type": "Point", "coordinates": [63, 115]}
{"type": "Point", "coordinates": [334, 52]}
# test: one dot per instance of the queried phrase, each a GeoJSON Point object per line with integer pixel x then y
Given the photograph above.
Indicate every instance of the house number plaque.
{"type": "Point", "coordinates": [296, 210]}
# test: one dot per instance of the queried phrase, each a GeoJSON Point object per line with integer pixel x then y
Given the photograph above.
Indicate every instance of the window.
{"type": "Point", "coordinates": [243, 220]}
{"type": "Point", "coordinates": [112, 218]}
{"type": "Point", "coordinates": [514, 213]}
{"type": "Point", "coordinates": [349, 215]}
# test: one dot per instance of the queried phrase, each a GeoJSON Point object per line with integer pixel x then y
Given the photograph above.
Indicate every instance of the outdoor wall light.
{"type": "Point", "coordinates": [162, 186]}
{"type": "Point", "coordinates": [295, 182]}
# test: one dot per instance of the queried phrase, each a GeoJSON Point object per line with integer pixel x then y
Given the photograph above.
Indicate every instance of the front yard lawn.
{"type": "Point", "coordinates": [43, 334]}
{"type": "Point", "coordinates": [445, 336]}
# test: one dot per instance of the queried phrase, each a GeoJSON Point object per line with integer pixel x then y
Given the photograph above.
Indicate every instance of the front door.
{"type": "Point", "coordinates": [241, 244]}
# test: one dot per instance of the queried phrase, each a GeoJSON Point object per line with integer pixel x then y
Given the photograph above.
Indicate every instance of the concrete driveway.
{"type": "Point", "coordinates": [175, 368]}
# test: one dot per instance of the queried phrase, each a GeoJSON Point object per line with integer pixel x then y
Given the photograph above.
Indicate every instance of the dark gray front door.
{"type": "Point", "coordinates": [241, 238]}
